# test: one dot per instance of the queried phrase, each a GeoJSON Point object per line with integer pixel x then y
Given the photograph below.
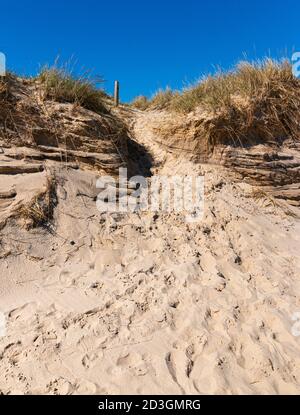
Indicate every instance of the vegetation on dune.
{"type": "Point", "coordinates": [160, 100]}
{"type": "Point", "coordinates": [252, 102]}
{"type": "Point", "coordinates": [3, 90]}
{"type": "Point", "coordinates": [5, 82]}
{"type": "Point", "coordinates": [250, 81]}
{"type": "Point", "coordinates": [60, 85]}
{"type": "Point", "coordinates": [39, 211]}
{"type": "Point", "coordinates": [141, 102]}
{"type": "Point", "coordinates": [255, 102]}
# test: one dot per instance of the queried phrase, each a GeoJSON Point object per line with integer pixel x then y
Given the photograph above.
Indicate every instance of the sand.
{"type": "Point", "coordinates": [144, 303]}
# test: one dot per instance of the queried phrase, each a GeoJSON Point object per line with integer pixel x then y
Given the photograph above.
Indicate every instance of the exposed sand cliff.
{"type": "Point", "coordinates": [143, 302]}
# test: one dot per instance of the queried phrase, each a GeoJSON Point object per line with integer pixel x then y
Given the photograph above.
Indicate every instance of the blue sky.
{"type": "Point", "coordinates": [146, 45]}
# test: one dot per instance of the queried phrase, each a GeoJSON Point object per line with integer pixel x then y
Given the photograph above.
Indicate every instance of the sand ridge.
{"type": "Point", "coordinates": [146, 303]}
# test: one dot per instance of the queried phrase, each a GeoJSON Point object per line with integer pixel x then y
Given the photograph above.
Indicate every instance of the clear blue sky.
{"type": "Point", "coordinates": [146, 44]}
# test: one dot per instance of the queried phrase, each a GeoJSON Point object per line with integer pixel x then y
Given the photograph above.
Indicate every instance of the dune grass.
{"type": "Point", "coordinates": [141, 103]}
{"type": "Point", "coordinates": [5, 83]}
{"type": "Point", "coordinates": [39, 211]}
{"type": "Point", "coordinates": [60, 85]}
{"type": "Point", "coordinates": [254, 102]}
{"type": "Point", "coordinates": [160, 100]}
{"type": "Point", "coordinates": [247, 80]}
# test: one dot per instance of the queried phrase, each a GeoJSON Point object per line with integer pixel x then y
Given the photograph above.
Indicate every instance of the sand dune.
{"type": "Point", "coordinates": [143, 303]}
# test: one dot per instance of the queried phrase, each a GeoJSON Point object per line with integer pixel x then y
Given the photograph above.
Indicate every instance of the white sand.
{"type": "Point", "coordinates": [140, 304]}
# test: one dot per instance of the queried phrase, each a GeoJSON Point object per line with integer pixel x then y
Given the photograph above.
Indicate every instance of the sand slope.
{"type": "Point", "coordinates": [144, 303]}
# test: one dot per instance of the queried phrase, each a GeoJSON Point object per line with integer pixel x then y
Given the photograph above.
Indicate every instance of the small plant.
{"type": "Point", "coordinates": [39, 211]}
{"type": "Point", "coordinates": [3, 90]}
{"type": "Point", "coordinates": [60, 85]}
{"type": "Point", "coordinates": [141, 103]}
{"type": "Point", "coordinates": [5, 84]}
{"type": "Point", "coordinates": [266, 198]}
{"type": "Point", "coordinates": [162, 98]}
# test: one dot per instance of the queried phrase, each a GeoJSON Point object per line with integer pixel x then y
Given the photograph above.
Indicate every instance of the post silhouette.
{"type": "Point", "coordinates": [116, 93]}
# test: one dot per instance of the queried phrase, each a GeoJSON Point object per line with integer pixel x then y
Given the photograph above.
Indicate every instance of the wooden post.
{"type": "Point", "coordinates": [116, 93]}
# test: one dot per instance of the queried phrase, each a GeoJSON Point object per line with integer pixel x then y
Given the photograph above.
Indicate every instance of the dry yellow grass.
{"type": "Point", "coordinates": [60, 85]}
{"type": "Point", "coordinates": [39, 211]}
{"type": "Point", "coordinates": [267, 200]}
{"type": "Point", "coordinates": [255, 102]}
{"type": "Point", "coordinates": [160, 100]}
{"type": "Point", "coordinates": [141, 102]}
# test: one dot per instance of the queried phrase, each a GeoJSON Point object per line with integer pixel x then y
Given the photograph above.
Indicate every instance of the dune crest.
{"type": "Point", "coordinates": [142, 303]}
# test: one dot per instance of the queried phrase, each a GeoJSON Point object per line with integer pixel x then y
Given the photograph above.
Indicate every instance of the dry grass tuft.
{"type": "Point", "coordinates": [160, 100]}
{"type": "Point", "coordinates": [3, 87]}
{"type": "Point", "coordinates": [5, 83]}
{"type": "Point", "coordinates": [254, 103]}
{"type": "Point", "coordinates": [141, 103]}
{"type": "Point", "coordinates": [60, 85]}
{"type": "Point", "coordinates": [259, 195]}
{"type": "Point", "coordinates": [39, 211]}
{"type": "Point", "coordinates": [267, 200]}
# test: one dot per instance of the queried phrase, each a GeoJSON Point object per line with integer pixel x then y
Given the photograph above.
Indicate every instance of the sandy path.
{"type": "Point", "coordinates": [144, 303]}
